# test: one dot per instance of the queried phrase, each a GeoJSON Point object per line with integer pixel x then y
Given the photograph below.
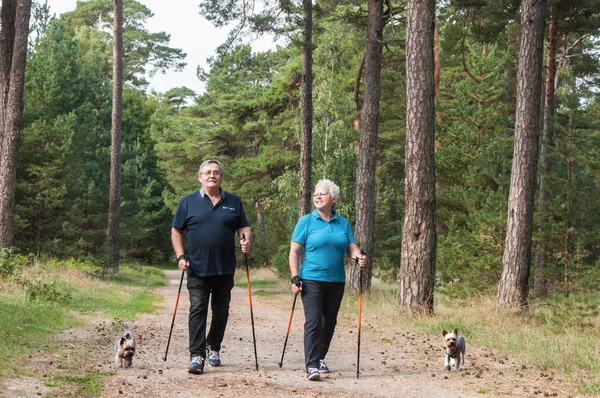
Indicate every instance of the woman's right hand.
{"type": "Point", "coordinates": [296, 285]}
{"type": "Point", "coordinates": [296, 289]}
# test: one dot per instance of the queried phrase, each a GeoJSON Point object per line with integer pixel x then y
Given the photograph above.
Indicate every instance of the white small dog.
{"type": "Point", "coordinates": [454, 354]}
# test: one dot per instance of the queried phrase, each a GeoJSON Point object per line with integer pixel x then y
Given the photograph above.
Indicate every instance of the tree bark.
{"type": "Point", "coordinates": [516, 262]}
{"type": "Point", "coordinates": [417, 268]}
{"type": "Point", "coordinates": [306, 109]}
{"type": "Point", "coordinates": [540, 284]}
{"type": "Point", "coordinates": [116, 135]}
{"type": "Point", "coordinates": [7, 41]}
{"type": "Point", "coordinates": [13, 57]}
{"type": "Point", "coordinates": [367, 147]}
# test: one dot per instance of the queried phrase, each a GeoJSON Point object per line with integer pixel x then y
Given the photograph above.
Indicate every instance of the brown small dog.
{"type": "Point", "coordinates": [454, 354]}
{"type": "Point", "coordinates": [125, 350]}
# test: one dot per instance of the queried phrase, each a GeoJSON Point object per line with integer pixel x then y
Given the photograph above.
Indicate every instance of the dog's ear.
{"type": "Point", "coordinates": [122, 341]}
{"type": "Point", "coordinates": [455, 332]}
{"type": "Point", "coordinates": [444, 333]}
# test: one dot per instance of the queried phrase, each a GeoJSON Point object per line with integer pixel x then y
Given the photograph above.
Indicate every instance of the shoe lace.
{"type": "Point", "coordinates": [198, 360]}
{"type": "Point", "coordinates": [213, 355]}
{"type": "Point", "coordinates": [313, 370]}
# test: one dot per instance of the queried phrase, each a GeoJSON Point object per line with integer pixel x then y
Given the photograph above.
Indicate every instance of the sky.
{"type": "Point", "coordinates": [196, 36]}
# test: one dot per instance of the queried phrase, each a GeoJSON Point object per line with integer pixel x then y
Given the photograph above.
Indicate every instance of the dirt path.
{"type": "Point", "coordinates": [394, 363]}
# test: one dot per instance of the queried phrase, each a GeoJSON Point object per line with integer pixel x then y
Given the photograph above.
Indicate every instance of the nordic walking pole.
{"type": "Point", "coordinates": [287, 334]}
{"type": "Point", "coordinates": [174, 312]}
{"type": "Point", "coordinates": [360, 299]}
{"type": "Point", "coordinates": [250, 301]}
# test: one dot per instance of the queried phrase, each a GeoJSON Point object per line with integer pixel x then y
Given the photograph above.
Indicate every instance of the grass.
{"type": "Point", "coordinates": [48, 297]}
{"type": "Point", "coordinates": [89, 384]}
{"type": "Point", "coordinates": [261, 278]}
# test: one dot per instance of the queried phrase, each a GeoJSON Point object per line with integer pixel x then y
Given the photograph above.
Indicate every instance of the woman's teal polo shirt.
{"type": "Point", "coordinates": [324, 246]}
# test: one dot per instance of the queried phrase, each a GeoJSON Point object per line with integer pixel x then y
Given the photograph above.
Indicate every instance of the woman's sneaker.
{"type": "Point", "coordinates": [213, 357]}
{"type": "Point", "coordinates": [196, 366]}
{"type": "Point", "coordinates": [323, 367]}
{"type": "Point", "coordinates": [313, 374]}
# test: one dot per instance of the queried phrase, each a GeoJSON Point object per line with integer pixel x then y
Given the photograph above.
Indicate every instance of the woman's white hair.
{"type": "Point", "coordinates": [334, 190]}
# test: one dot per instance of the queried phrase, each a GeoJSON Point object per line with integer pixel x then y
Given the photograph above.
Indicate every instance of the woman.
{"type": "Point", "coordinates": [325, 237]}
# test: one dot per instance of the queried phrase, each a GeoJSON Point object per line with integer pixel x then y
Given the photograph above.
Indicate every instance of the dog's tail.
{"type": "Point", "coordinates": [128, 335]}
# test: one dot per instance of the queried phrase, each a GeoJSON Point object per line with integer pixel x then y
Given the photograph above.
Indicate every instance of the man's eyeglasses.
{"type": "Point", "coordinates": [320, 194]}
{"type": "Point", "coordinates": [212, 173]}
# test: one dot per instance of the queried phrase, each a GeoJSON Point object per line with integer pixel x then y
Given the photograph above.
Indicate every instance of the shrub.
{"type": "Point", "coordinates": [11, 263]}
{"type": "Point", "coordinates": [48, 291]}
{"type": "Point", "coordinates": [281, 263]}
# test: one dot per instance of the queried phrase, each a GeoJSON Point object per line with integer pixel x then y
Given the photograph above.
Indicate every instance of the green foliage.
{"type": "Point", "coordinates": [12, 263]}
{"type": "Point", "coordinates": [473, 172]}
{"type": "Point", "coordinates": [281, 263]}
{"type": "Point", "coordinates": [62, 191]}
{"type": "Point", "coordinates": [248, 118]}
{"type": "Point", "coordinates": [141, 49]}
{"type": "Point", "coordinates": [50, 291]}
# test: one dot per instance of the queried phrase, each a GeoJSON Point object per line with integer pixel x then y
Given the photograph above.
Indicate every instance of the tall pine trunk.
{"type": "Point", "coordinates": [306, 109]}
{"type": "Point", "coordinates": [367, 147]}
{"type": "Point", "coordinates": [417, 267]}
{"type": "Point", "coordinates": [516, 262]}
{"type": "Point", "coordinates": [540, 284]}
{"type": "Point", "coordinates": [13, 56]}
{"type": "Point", "coordinates": [116, 136]}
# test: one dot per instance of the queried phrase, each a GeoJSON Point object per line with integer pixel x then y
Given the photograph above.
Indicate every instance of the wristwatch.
{"type": "Point", "coordinates": [182, 257]}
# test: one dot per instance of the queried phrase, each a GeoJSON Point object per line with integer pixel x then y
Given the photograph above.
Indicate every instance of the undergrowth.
{"type": "Point", "coordinates": [41, 298]}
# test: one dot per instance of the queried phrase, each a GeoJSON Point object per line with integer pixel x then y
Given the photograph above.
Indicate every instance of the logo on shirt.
{"type": "Point", "coordinates": [228, 208]}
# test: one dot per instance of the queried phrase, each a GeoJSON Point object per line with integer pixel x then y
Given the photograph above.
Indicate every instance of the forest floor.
{"type": "Point", "coordinates": [393, 362]}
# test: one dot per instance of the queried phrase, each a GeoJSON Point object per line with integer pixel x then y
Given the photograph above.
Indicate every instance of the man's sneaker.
{"type": "Point", "coordinates": [213, 357]}
{"type": "Point", "coordinates": [323, 366]}
{"type": "Point", "coordinates": [196, 366]}
{"type": "Point", "coordinates": [313, 374]}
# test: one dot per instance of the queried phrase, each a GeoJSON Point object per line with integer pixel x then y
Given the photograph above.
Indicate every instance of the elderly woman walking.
{"type": "Point", "coordinates": [324, 236]}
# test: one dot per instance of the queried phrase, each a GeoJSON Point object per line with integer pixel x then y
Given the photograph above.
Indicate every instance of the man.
{"type": "Point", "coordinates": [211, 217]}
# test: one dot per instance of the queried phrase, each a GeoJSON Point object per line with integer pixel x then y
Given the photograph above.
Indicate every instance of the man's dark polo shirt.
{"type": "Point", "coordinates": [211, 231]}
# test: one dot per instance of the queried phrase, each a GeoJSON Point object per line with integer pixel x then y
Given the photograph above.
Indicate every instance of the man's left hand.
{"type": "Point", "coordinates": [245, 244]}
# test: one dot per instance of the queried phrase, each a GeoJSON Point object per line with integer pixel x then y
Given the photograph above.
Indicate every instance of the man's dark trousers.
{"type": "Point", "coordinates": [200, 290]}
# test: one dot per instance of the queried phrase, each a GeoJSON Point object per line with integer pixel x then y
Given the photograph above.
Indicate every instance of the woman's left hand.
{"type": "Point", "coordinates": [362, 260]}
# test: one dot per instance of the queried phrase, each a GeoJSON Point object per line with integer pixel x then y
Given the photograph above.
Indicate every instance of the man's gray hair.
{"type": "Point", "coordinates": [334, 190]}
{"type": "Point", "coordinates": [206, 162]}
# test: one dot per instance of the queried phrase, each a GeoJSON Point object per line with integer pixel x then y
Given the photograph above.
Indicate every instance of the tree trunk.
{"type": "Point", "coordinates": [417, 268]}
{"type": "Point", "coordinates": [7, 41]}
{"type": "Point", "coordinates": [306, 109]}
{"type": "Point", "coordinates": [365, 175]}
{"type": "Point", "coordinates": [13, 56]}
{"type": "Point", "coordinates": [568, 216]}
{"type": "Point", "coordinates": [116, 135]}
{"type": "Point", "coordinates": [516, 262]}
{"type": "Point", "coordinates": [540, 284]}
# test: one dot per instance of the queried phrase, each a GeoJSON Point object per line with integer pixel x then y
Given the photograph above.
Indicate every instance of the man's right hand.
{"type": "Point", "coordinates": [183, 264]}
